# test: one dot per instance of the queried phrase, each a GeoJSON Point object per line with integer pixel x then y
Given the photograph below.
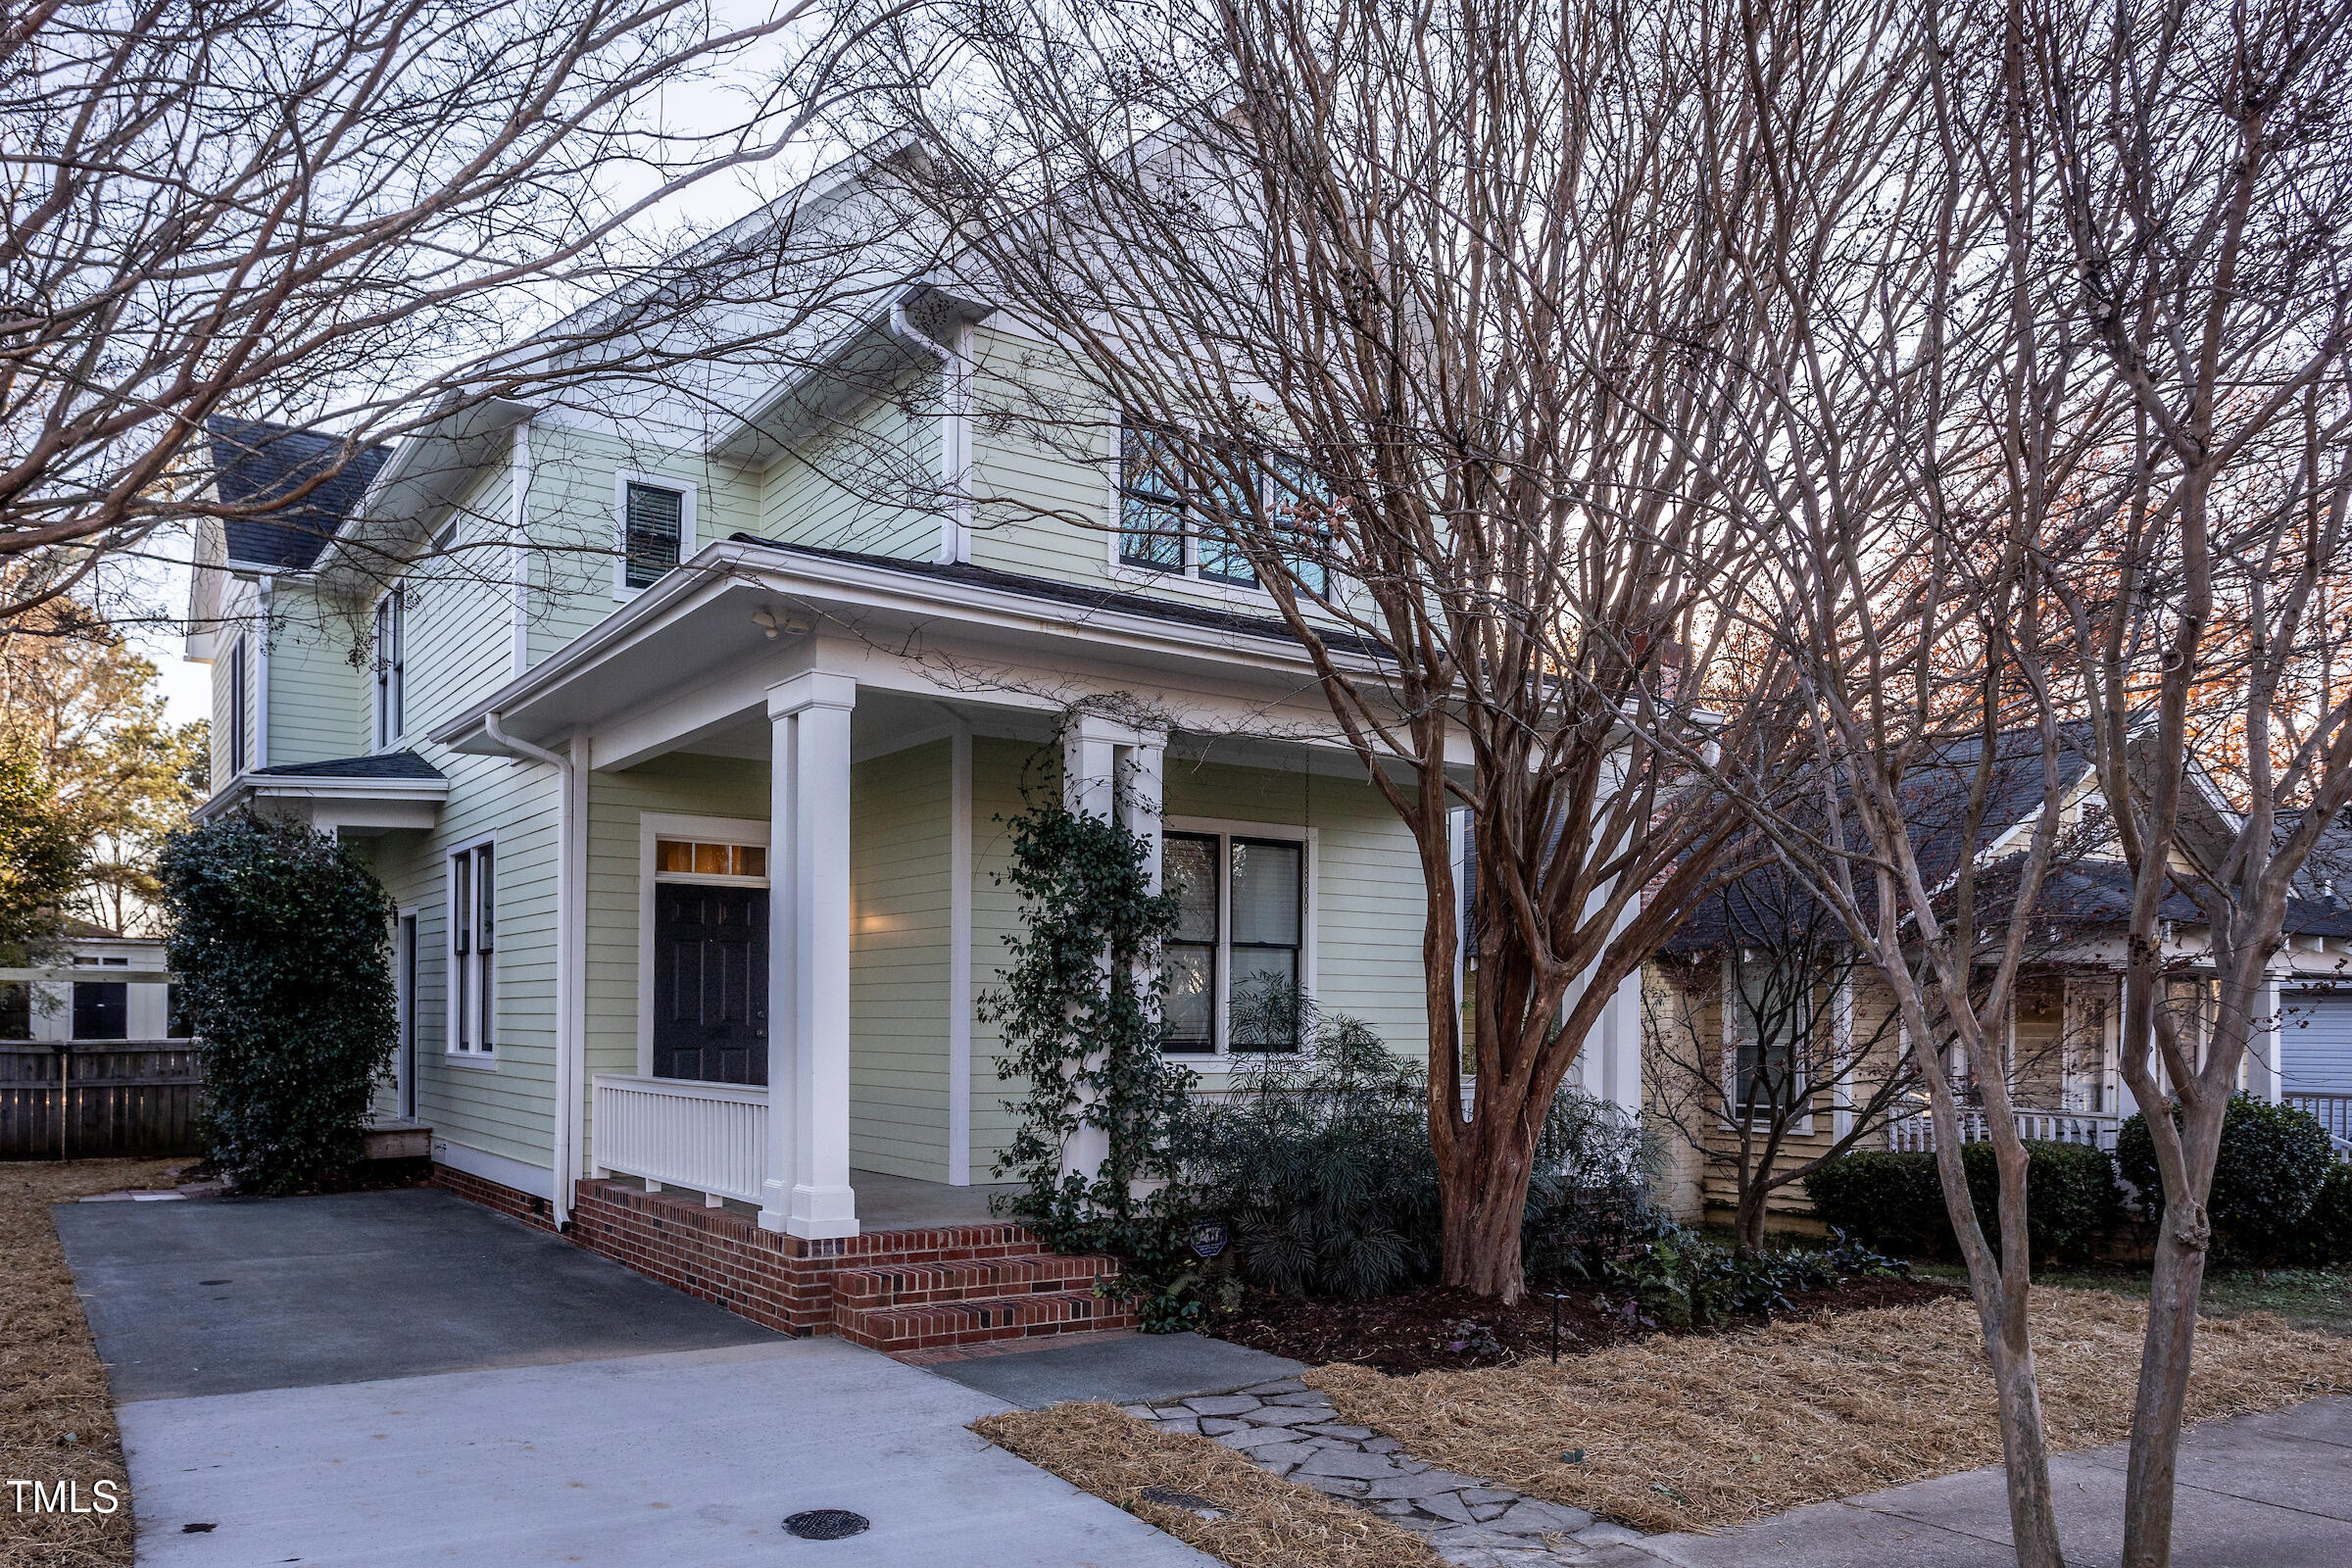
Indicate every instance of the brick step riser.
{"type": "Point", "coordinates": [869, 1288]}
{"type": "Point", "coordinates": [980, 1322]}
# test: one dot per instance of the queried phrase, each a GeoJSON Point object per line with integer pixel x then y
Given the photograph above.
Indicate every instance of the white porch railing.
{"type": "Point", "coordinates": [2335, 1111]}
{"type": "Point", "coordinates": [711, 1138]}
{"type": "Point", "coordinates": [1917, 1134]}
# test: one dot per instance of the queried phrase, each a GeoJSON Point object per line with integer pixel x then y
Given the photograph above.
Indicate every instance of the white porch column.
{"type": "Point", "coordinates": [1113, 769]}
{"type": "Point", "coordinates": [807, 1190]}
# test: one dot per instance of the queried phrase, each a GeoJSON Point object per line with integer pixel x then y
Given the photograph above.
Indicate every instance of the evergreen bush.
{"type": "Point", "coordinates": [2266, 1175]}
{"type": "Point", "coordinates": [2325, 1237]}
{"type": "Point", "coordinates": [1894, 1202]}
{"type": "Point", "coordinates": [282, 941]}
{"type": "Point", "coordinates": [1319, 1162]}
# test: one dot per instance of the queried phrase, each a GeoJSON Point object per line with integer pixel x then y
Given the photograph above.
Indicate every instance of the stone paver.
{"type": "Point", "coordinates": [1294, 1431]}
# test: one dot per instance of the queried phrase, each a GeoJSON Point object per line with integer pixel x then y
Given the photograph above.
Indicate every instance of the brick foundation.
{"type": "Point", "coordinates": [901, 1290]}
{"type": "Point", "coordinates": [495, 1195]}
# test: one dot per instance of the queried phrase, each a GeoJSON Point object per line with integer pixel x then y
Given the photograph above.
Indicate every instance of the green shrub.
{"type": "Point", "coordinates": [1319, 1162]}
{"type": "Point", "coordinates": [282, 941]}
{"type": "Point", "coordinates": [2325, 1238]}
{"type": "Point", "coordinates": [1894, 1202]}
{"type": "Point", "coordinates": [1886, 1199]}
{"type": "Point", "coordinates": [1677, 1277]}
{"type": "Point", "coordinates": [2266, 1175]}
{"type": "Point", "coordinates": [1320, 1165]}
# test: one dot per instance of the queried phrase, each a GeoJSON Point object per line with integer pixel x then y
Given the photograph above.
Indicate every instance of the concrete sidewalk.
{"type": "Point", "coordinates": [2269, 1491]}
{"type": "Point", "coordinates": [390, 1380]}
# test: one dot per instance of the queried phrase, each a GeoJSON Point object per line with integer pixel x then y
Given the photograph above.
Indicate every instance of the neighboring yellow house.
{"type": "Point", "coordinates": [1730, 1024]}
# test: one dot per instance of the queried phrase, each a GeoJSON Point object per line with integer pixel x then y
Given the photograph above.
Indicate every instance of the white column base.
{"type": "Point", "coordinates": [822, 1213]}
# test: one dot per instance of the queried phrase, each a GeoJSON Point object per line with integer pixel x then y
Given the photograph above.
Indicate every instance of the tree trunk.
{"type": "Point", "coordinates": [2025, 1454]}
{"type": "Point", "coordinates": [1748, 1220]}
{"type": "Point", "coordinates": [2182, 1243]}
{"type": "Point", "coordinates": [1482, 1205]}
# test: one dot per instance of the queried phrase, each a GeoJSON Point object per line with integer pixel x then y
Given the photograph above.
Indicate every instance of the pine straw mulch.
{"type": "Point", "coordinates": [1441, 1329]}
{"type": "Point", "coordinates": [52, 1385]}
{"type": "Point", "coordinates": [1268, 1523]}
{"type": "Point", "coordinates": [1696, 1433]}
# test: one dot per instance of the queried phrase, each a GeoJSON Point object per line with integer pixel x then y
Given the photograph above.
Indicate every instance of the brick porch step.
{"type": "Point", "coordinates": [980, 1321]}
{"type": "Point", "coordinates": [885, 1284]}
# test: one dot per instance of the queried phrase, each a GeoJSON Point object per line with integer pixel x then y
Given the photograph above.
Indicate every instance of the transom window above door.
{"type": "Point", "coordinates": [698, 857]}
{"type": "Point", "coordinates": [1234, 965]}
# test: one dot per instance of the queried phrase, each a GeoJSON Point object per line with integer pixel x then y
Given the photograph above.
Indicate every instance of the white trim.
{"type": "Point", "coordinates": [687, 491]}
{"type": "Point", "coordinates": [408, 968]}
{"type": "Point", "coordinates": [959, 956]}
{"type": "Point", "coordinates": [652, 825]}
{"type": "Point", "coordinates": [259, 723]}
{"type": "Point", "coordinates": [535, 1181]}
{"type": "Point", "coordinates": [519, 550]}
{"type": "Point", "coordinates": [1227, 829]}
{"type": "Point", "coordinates": [453, 993]}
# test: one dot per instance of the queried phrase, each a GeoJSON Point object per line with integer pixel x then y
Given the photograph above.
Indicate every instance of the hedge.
{"type": "Point", "coordinates": [1894, 1202]}
{"type": "Point", "coordinates": [2267, 1175]}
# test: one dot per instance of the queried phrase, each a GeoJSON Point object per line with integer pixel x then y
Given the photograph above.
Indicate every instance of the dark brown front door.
{"type": "Point", "coordinates": [711, 983]}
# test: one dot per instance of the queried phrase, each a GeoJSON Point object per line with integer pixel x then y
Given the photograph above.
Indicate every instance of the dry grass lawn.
{"type": "Point", "coordinates": [1704, 1431]}
{"type": "Point", "coordinates": [1269, 1523]}
{"type": "Point", "coordinates": [55, 1420]}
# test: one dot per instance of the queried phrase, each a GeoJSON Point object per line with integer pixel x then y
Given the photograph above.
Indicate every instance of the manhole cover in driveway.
{"type": "Point", "coordinates": [825, 1524]}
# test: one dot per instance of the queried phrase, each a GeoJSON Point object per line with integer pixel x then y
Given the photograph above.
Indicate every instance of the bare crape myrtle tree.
{"type": "Point", "coordinates": [1407, 326]}
{"type": "Point", "coordinates": [344, 217]}
{"type": "Point", "coordinates": [2103, 364]}
{"type": "Point", "coordinates": [2192, 170]}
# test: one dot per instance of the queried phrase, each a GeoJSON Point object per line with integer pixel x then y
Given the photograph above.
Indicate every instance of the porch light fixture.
{"type": "Point", "coordinates": [771, 627]}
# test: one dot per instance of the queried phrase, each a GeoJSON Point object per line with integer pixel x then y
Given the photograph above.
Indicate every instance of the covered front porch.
{"type": "Point", "coordinates": [785, 785]}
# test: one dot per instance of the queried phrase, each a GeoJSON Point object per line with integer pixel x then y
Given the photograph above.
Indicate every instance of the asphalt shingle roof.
{"type": "Point", "coordinates": [383, 765]}
{"type": "Point", "coordinates": [255, 462]}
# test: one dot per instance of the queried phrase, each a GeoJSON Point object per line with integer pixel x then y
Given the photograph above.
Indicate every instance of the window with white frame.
{"type": "Point", "coordinates": [240, 721]}
{"type": "Point", "coordinates": [1773, 1005]}
{"type": "Point", "coordinates": [1169, 524]}
{"type": "Point", "coordinates": [655, 520]}
{"type": "Point", "coordinates": [474, 952]}
{"type": "Point", "coordinates": [1236, 963]}
{"type": "Point", "coordinates": [391, 669]}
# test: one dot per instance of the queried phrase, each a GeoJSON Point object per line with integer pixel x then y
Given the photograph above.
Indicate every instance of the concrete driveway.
{"type": "Point", "coordinates": [402, 1378]}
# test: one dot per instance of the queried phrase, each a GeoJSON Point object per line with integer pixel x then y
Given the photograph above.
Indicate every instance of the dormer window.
{"type": "Point", "coordinates": [655, 520]}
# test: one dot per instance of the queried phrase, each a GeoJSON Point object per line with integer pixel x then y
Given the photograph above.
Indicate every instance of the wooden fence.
{"type": "Point", "coordinates": [120, 1099]}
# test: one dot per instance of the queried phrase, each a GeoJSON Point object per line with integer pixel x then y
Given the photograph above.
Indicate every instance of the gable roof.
{"type": "Point", "coordinates": [256, 462]}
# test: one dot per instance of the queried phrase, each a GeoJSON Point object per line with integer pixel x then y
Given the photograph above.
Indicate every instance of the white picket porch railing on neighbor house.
{"type": "Point", "coordinates": [1917, 1134]}
{"type": "Point", "coordinates": [2335, 1111]}
{"type": "Point", "coordinates": [711, 1138]}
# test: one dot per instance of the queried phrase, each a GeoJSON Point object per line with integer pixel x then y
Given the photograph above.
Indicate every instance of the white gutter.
{"type": "Point", "coordinates": [954, 423]}
{"type": "Point", "coordinates": [570, 929]}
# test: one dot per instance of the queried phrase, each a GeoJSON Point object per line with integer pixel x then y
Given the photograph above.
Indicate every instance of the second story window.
{"type": "Point", "coordinates": [391, 669]}
{"type": "Point", "coordinates": [1166, 523]}
{"type": "Point", "coordinates": [1151, 514]}
{"type": "Point", "coordinates": [654, 521]}
{"type": "Point", "coordinates": [239, 709]}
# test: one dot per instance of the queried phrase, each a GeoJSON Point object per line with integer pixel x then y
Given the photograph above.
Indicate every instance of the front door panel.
{"type": "Point", "coordinates": [711, 983]}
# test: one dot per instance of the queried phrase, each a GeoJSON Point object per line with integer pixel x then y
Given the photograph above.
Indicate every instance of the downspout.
{"type": "Point", "coordinates": [567, 917]}
{"type": "Point", "coordinates": [954, 423]}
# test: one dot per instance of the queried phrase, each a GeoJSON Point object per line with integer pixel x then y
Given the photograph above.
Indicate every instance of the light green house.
{"type": "Point", "coordinates": [688, 762]}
